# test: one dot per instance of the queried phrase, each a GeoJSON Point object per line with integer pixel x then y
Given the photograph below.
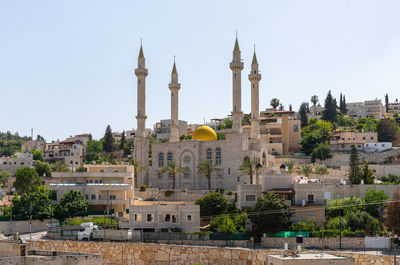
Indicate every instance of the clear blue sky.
{"type": "Point", "coordinates": [67, 67]}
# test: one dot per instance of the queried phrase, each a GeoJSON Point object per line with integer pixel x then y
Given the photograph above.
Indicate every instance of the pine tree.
{"type": "Point", "coordinates": [387, 102]}
{"type": "Point", "coordinates": [108, 140]}
{"type": "Point", "coordinates": [303, 114]}
{"type": "Point", "coordinates": [290, 107]}
{"type": "Point", "coordinates": [354, 170]}
{"type": "Point", "coordinates": [329, 113]}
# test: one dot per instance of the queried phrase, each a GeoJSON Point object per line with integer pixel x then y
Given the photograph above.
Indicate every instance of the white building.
{"type": "Point", "coordinates": [377, 147]}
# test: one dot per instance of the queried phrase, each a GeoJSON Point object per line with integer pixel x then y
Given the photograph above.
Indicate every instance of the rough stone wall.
{"type": "Point", "coordinates": [315, 242]}
{"type": "Point", "coordinates": [23, 226]}
{"type": "Point", "coordinates": [143, 254]}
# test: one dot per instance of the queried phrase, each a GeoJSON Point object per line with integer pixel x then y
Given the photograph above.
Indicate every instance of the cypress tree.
{"type": "Point", "coordinates": [108, 140]}
{"type": "Point", "coordinates": [354, 169]}
{"type": "Point", "coordinates": [303, 114]}
{"type": "Point", "coordinates": [122, 142]}
{"type": "Point", "coordinates": [387, 102]}
{"type": "Point", "coordinates": [329, 113]}
{"type": "Point", "coordinates": [341, 103]}
{"type": "Point", "coordinates": [344, 105]}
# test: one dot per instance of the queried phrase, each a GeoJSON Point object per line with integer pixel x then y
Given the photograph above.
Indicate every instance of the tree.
{"type": "Point", "coordinates": [341, 207]}
{"type": "Point", "coordinates": [93, 149]}
{"type": "Point", "coordinates": [303, 114]}
{"type": "Point", "coordinates": [212, 204]}
{"type": "Point", "coordinates": [265, 221]}
{"type": "Point", "coordinates": [4, 175]}
{"type": "Point", "coordinates": [393, 213]}
{"type": "Point", "coordinates": [122, 143]}
{"type": "Point", "coordinates": [354, 166]}
{"type": "Point", "coordinates": [27, 180]}
{"type": "Point", "coordinates": [361, 220]}
{"type": "Point", "coordinates": [37, 154]}
{"type": "Point", "coordinates": [314, 101]}
{"type": "Point", "coordinates": [329, 113]}
{"type": "Point", "coordinates": [108, 140]}
{"type": "Point", "coordinates": [226, 124]}
{"type": "Point", "coordinates": [72, 204]}
{"type": "Point", "coordinates": [36, 203]}
{"type": "Point", "coordinates": [290, 165]}
{"type": "Point", "coordinates": [344, 105]}
{"type": "Point", "coordinates": [59, 166]}
{"type": "Point", "coordinates": [43, 169]}
{"type": "Point", "coordinates": [367, 174]}
{"type": "Point", "coordinates": [137, 167]}
{"type": "Point", "coordinates": [387, 102]}
{"type": "Point", "coordinates": [274, 103]}
{"type": "Point", "coordinates": [310, 140]}
{"type": "Point", "coordinates": [386, 131]}
{"type": "Point", "coordinates": [205, 169]}
{"type": "Point", "coordinates": [223, 224]}
{"type": "Point", "coordinates": [322, 152]}
{"type": "Point", "coordinates": [375, 202]}
{"type": "Point", "coordinates": [281, 107]}
{"type": "Point", "coordinates": [172, 169]}
{"type": "Point", "coordinates": [305, 170]}
{"type": "Point", "coordinates": [249, 168]}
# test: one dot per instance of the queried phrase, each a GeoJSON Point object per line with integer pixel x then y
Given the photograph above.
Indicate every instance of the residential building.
{"type": "Point", "coordinates": [83, 137]}
{"type": "Point", "coordinates": [117, 136]}
{"type": "Point", "coordinates": [342, 141]}
{"type": "Point", "coordinates": [162, 129]}
{"type": "Point", "coordinates": [130, 134]}
{"type": "Point", "coordinates": [70, 152]}
{"type": "Point", "coordinates": [281, 129]}
{"type": "Point", "coordinates": [149, 216]}
{"type": "Point", "coordinates": [106, 187]}
{"type": "Point", "coordinates": [28, 146]}
{"type": "Point", "coordinates": [366, 109]}
{"type": "Point", "coordinates": [13, 163]}
{"type": "Point", "coordinates": [377, 147]}
{"type": "Point", "coordinates": [395, 107]}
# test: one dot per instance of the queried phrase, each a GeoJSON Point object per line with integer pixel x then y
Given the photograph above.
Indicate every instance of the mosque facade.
{"type": "Point", "coordinates": [225, 156]}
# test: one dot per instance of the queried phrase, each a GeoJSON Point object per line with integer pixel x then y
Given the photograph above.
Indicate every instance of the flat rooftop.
{"type": "Point", "coordinates": [310, 256]}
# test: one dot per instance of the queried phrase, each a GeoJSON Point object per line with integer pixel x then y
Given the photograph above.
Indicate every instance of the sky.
{"type": "Point", "coordinates": [67, 67]}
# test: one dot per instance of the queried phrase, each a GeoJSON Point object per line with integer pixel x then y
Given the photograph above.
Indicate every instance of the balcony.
{"type": "Point", "coordinates": [108, 202]}
{"type": "Point", "coordinates": [92, 186]}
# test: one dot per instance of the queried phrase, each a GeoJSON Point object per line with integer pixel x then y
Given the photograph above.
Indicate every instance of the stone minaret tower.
{"type": "Point", "coordinates": [174, 86]}
{"type": "Point", "coordinates": [237, 66]}
{"type": "Point", "coordinates": [141, 145]}
{"type": "Point", "coordinates": [255, 78]}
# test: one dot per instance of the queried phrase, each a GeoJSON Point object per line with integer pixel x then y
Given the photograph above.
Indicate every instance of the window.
{"type": "Point", "coordinates": [99, 197]}
{"type": "Point", "coordinates": [363, 137]}
{"type": "Point", "coordinates": [71, 162]}
{"type": "Point", "coordinates": [138, 217]}
{"type": "Point", "coordinates": [372, 138]}
{"type": "Point", "coordinates": [250, 198]}
{"type": "Point", "coordinates": [167, 217]}
{"type": "Point", "coordinates": [161, 159]}
{"type": "Point", "coordinates": [112, 197]}
{"type": "Point", "coordinates": [169, 157]}
{"type": "Point", "coordinates": [218, 156]}
{"type": "Point", "coordinates": [310, 198]}
{"type": "Point", "coordinates": [86, 197]}
{"type": "Point", "coordinates": [209, 156]}
{"type": "Point", "coordinates": [149, 218]}
{"type": "Point", "coordinates": [295, 128]}
{"type": "Point", "coordinates": [93, 197]}
{"type": "Point", "coordinates": [189, 218]}
{"type": "Point", "coordinates": [22, 163]}
{"type": "Point", "coordinates": [229, 170]}
{"type": "Point", "coordinates": [174, 218]}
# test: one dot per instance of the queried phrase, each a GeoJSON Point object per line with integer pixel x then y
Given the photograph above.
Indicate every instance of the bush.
{"type": "Point", "coordinates": [142, 188]}
{"type": "Point", "coordinates": [168, 193]}
{"type": "Point", "coordinates": [229, 192]}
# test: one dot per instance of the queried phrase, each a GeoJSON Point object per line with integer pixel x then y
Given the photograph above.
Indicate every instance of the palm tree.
{"type": "Point", "coordinates": [59, 166]}
{"type": "Point", "coordinates": [314, 101]}
{"type": "Point", "coordinates": [305, 170]}
{"type": "Point", "coordinates": [137, 167]}
{"type": "Point", "coordinates": [290, 165]}
{"type": "Point", "coordinates": [274, 103]}
{"type": "Point", "coordinates": [205, 169]}
{"type": "Point", "coordinates": [249, 167]}
{"type": "Point", "coordinates": [172, 169]}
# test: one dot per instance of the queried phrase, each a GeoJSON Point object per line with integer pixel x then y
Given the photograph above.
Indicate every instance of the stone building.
{"type": "Point", "coordinates": [28, 146]}
{"type": "Point", "coordinates": [162, 129]}
{"type": "Point", "coordinates": [149, 216]}
{"type": "Point", "coordinates": [366, 109]}
{"type": "Point", "coordinates": [343, 141]}
{"type": "Point", "coordinates": [70, 152]}
{"type": "Point", "coordinates": [225, 155]}
{"type": "Point", "coordinates": [106, 187]}
{"type": "Point", "coordinates": [13, 163]}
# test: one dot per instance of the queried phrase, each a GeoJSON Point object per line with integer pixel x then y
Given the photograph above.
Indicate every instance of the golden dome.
{"type": "Point", "coordinates": [204, 133]}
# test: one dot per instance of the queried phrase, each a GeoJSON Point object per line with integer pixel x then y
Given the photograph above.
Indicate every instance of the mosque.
{"type": "Point", "coordinates": [224, 155]}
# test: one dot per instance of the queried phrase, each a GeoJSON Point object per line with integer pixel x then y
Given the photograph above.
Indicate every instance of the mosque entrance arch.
{"type": "Point", "coordinates": [187, 161]}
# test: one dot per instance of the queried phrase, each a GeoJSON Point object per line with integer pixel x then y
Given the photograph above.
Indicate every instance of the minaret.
{"type": "Point", "coordinates": [141, 144]}
{"type": "Point", "coordinates": [174, 86]}
{"type": "Point", "coordinates": [237, 66]}
{"type": "Point", "coordinates": [255, 78]}
{"type": "Point", "coordinates": [141, 73]}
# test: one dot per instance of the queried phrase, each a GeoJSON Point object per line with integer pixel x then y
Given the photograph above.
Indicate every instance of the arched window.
{"type": "Point", "coordinates": [209, 155]}
{"type": "Point", "coordinates": [218, 156]}
{"type": "Point", "coordinates": [161, 159]}
{"type": "Point", "coordinates": [169, 157]}
{"type": "Point", "coordinates": [186, 172]}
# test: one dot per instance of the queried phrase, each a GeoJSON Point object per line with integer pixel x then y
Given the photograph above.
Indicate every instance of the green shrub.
{"type": "Point", "coordinates": [229, 192]}
{"type": "Point", "coordinates": [142, 188]}
{"type": "Point", "coordinates": [168, 193]}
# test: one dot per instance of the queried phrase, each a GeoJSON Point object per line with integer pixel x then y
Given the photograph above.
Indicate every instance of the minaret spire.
{"type": "Point", "coordinates": [236, 66]}
{"type": "Point", "coordinates": [174, 86]}
{"type": "Point", "coordinates": [255, 78]}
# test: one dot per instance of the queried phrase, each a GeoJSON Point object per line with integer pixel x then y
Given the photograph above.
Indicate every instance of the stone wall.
{"type": "Point", "coordinates": [375, 158]}
{"type": "Point", "coordinates": [152, 254]}
{"type": "Point", "coordinates": [315, 242]}
{"type": "Point", "coordinates": [22, 226]}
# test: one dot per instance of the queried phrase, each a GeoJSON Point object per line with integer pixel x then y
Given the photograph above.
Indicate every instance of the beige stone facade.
{"type": "Point", "coordinates": [13, 163]}
{"type": "Point", "coordinates": [105, 187]}
{"type": "Point", "coordinates": [157, 216]}
{"type": "Point", "coordinates": [28, 146]}
{"type": "Point", "coordinates": [366, 109]}
{"type": "Point", "coordinates": [162, 129]}
{"type": "Point", "coordinates": [70, 152]}
{"type": "Point", "coordinates": [343, 141]}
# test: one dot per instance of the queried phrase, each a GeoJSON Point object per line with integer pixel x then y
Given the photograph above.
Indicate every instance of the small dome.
{"type": "Point", "coordinates": [204, 133]}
